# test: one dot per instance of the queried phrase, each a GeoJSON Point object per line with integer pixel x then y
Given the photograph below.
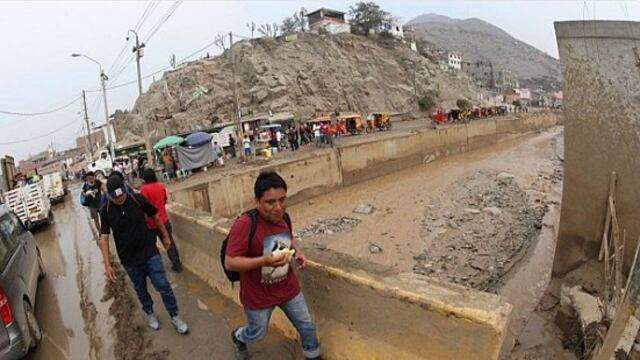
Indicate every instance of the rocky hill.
{"type": "Point", "coordinates": [478, 40]}
{"type": "Point", "coordinates": [312, 73]}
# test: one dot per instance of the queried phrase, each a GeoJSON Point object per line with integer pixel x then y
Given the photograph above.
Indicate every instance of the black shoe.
{"type": "Point", "coordinates": [176, 268]}
{"type": "Point", "coordinates": [241, 348]}
{"type": "Point", "coordinates": [315, 358]}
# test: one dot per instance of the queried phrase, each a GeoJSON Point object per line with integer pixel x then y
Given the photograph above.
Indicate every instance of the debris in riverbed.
{"type": "Point", "coordinates": [364, 209]}
{"type": "Point", "coordinates": [322, 227]}
{"type": "Point", "coordinates": [375, 249]}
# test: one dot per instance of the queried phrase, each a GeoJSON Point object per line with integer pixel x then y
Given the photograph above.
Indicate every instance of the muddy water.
{"type": "Point", "coordinates": [68, 304]}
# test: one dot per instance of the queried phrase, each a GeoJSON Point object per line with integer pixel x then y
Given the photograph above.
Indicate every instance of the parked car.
{"type": "Point", "coordinates": [54, 187]}
{"type": "Point", "coordinates": [101, 166]}
{"type": "Point", "coordinates": [21, 267]}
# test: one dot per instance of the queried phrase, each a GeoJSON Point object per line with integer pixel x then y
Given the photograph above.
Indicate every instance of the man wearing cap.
{"type": "Point", "coordinates": [124, 214]}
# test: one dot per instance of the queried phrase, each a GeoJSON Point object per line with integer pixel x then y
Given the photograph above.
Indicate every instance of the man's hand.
{"type": "Point", "coordinates": [300, 260]}
{"type": "Point", "coordinates": [275, 260]}
{"type": "Point", "coordinates": [166, 242]}
{"type": "Point", "coordinates": [109, 272]}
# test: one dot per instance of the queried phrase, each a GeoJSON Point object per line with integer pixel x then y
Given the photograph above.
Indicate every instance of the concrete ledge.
{"type": "Point", "coordinates": [405, 317]}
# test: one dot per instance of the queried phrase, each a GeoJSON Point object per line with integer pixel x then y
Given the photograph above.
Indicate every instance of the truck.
{"type": "Point", "coordinates": [54, 187]}
{"type": "Point", "coordinates": [30, 203]}
{"type": "Point", "coordinates": [102, 166]}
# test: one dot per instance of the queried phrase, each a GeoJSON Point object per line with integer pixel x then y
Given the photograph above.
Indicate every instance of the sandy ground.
{"type": "Point", "coordinates": [84, 317]}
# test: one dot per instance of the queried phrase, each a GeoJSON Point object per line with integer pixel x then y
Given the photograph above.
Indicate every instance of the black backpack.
{"type": "Point", "coordinates": [234, 276]}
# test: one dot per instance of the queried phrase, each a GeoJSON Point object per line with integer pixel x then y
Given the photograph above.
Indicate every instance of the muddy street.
{"type": "Point", "coordinates": [85, 317]}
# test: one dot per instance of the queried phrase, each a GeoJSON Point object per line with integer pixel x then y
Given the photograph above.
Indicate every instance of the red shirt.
{"type": "Point", "coordinates": [156, 194]}
{"type": "Point", "coordinates": [263, 287]}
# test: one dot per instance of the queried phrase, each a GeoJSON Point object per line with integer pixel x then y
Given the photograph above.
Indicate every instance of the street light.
{"type": "Point", "coordinates": [103, 79]}
{"type": "Point", "coordinates": [139, 50]}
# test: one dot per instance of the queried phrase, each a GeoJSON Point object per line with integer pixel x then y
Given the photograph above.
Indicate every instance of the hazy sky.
{"type": "Point", "coordinates": [37, 72]}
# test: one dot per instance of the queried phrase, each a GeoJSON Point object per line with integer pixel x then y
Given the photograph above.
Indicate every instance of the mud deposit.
{"type": "Point", "coordinates": [477, 230]}
{"type": "Point", "coordinates": [131, 341]}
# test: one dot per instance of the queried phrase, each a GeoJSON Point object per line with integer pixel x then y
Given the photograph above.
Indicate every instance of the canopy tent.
{"type": "Point", "coordinates": [168, 141]}
{"type": "Point", "coordinates": [194, 157]}
{"type": "Point", "coordinates": [198, 138]}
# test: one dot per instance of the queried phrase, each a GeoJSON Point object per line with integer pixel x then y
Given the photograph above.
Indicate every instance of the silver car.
{"type": "Point", "coordinates": [21, 267]}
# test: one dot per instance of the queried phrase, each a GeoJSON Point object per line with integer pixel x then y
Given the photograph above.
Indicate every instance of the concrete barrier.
{"type": "Point", "coordinates": [350, 164]}
{"type": "Point", "coordinates": [405, 317]}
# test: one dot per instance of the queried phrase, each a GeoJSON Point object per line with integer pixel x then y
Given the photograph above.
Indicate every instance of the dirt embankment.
{"type": "Point", "coordinates": [343, 72]}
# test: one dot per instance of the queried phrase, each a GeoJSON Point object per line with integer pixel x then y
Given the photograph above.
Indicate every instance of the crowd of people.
{"type": "Point", "coordinates": [260, 250]}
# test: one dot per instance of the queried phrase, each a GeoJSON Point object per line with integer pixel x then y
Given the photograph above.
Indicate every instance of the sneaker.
{"type": "Point", "coordinates": [241, 348]}
{"type": "Point", "coordinates": [153, 322]}
{"type": "Point", "coordinates": [181, 326]}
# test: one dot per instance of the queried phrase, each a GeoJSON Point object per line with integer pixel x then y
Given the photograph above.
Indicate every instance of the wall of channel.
{"type": "Point", "coordinates": [423, 319]}
{"type": "Point", "coordinates": [599, 61]}
{"type": "Point", "coordinates": [359, 317]}
{"type": "Point", "coordinates": [351, 164]}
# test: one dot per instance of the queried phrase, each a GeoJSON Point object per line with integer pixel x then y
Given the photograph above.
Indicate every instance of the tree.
{"type": "Point", "coordinates": [252, 28]}
{"type": "Point", "coordinates": [288, 26]}
{"type": "Point", "coordinates": [300, 19]}
{"type": "Point", "coordinates": [367, 15]}
{"type": "Point", "coordinates": [426, 102]}
{"type": "Point", "coordinates": [269, 30]}
{"type": "Point", "coordinates": [463, 104]}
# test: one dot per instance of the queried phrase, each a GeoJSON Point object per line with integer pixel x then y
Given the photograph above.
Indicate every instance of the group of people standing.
{"type": "Point", "coordinates": [260, 247]}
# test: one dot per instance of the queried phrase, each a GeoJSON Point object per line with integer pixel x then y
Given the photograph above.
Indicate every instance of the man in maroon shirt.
{"type": "Point", "coordinates": [266, 279]}
{"type": "Point", "coordinates": [156, 194]}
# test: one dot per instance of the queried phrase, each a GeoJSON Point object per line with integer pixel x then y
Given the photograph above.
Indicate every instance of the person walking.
{"type": "Point", "coordinates": [124, 214]}
{"type": "Point", "coordinates": [266, 277]}
{"type": "Point", "coordinates": [92, 192]}
{"type": "Point", "coordinates": [156, 194]}
{"type": "Point", "coordinates": [232, 143]}
{"type": "Point", "coordinates": [219, 153]}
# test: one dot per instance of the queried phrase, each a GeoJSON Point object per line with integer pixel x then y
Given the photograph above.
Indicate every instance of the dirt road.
{"type": "Point", "coordinates": [85, 317]}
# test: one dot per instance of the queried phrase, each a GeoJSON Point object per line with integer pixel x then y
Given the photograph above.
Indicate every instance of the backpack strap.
{"type": "Point", "coordinates": [287, 219]}
{"type": "Point", "coordinates": [132, 195]}
{"type": "Point", "coordinates": [253, 215]}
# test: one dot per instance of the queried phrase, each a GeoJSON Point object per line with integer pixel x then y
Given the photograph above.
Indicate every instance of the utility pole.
{"type": "Point", "coordinates": [103, 78]}
{"type": "Point", "coordinates": [138, 49]}
{"type": "Point", "coordinates": [110, 136]}
{"type": "Point", "coordinates": [236, 107]}
{"type": "Point", "coordinates": [86, 121]}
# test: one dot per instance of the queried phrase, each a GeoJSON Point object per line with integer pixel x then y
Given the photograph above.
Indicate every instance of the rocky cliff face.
{"type": "Point", "coordinates": [478, 40]}
{"type": "Point", "coordinates": [312, 73]}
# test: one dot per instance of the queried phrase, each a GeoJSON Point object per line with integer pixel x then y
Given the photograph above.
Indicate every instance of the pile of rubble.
{"type": "Point", "coordinates": [477, 230]}
{"type": "Point", "coordinates": [326, 227]}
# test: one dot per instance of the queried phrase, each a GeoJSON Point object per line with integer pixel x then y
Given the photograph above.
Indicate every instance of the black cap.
{"type": "Point", "coordinates": [115, 186]}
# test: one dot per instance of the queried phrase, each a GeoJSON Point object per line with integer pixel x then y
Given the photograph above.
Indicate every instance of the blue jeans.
{"type": "Point", "coordinates": [153, 269]}
{"type": "Point", "coordinates": [297, 312]}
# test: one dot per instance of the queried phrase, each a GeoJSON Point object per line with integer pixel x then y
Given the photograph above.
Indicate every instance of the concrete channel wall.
{"type": "Point", "coordinates": [359, 317]}
{"type": "Point", "coordinates": [351, 164]}
{"type": "Point", "coordinates": [599, 61]}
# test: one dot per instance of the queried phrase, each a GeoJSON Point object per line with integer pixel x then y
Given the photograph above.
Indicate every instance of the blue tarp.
{"type": "Point", "coordinates": [197, 139]}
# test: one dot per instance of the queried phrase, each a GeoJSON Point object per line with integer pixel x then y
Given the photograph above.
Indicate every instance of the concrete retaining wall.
{"type": "Point", "coordinates": [362, 318]}
{"type": "Point", "coordinates": [599, 62]}
{"type": "Point", "coordinates": [350, 164]}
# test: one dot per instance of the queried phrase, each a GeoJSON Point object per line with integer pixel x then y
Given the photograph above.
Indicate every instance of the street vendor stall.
{"type": "Point", "coordinates": [197, 151]}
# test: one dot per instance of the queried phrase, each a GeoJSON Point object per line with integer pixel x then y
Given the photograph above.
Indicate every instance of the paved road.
{"type": "Point", "coordinates": [84, 317]}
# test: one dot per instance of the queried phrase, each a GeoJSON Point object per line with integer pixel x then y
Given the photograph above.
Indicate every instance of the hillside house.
{"type": "Point", "coordinates": [454, 61]}
{"type": "Point", "coordinates": [330, 20]}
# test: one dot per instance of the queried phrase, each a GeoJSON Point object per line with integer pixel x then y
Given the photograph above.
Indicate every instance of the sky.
{"type": "Point", "coordinates": [38, 74]}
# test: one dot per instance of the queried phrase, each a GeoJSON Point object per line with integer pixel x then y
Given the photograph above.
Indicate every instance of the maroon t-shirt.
{"type": "Point", "coordinates": [266, 286]}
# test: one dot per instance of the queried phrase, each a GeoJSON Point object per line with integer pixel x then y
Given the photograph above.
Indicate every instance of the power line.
{"type": "Point", "coordinates": [40, 136]}
{"type": "Point", "coordinates": [164, 19]}
{"type": "Point", "coordinates": [6, 112]}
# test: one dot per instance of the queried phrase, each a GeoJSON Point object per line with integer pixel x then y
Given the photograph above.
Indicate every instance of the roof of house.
{"type": "Point", "coordinates": [325, 10]}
